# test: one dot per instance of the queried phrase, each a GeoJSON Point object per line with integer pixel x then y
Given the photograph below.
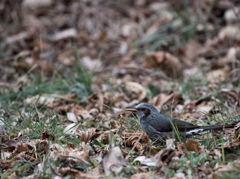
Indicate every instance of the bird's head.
{"type": "Point", "coordinates": [143, 110]}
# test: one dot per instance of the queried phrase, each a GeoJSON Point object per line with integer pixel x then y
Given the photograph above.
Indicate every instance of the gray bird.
{"type": "Point", "coordinates": [159, 127]}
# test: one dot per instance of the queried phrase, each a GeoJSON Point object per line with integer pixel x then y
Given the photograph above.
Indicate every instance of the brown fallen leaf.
{"type": "Point", "coordinates": [95, 101]}
{"type": "Point", "coordinates": [104, 136]}
{"type": "Point", "coordinates": [193, 146]}
{"type": "Point", "coordinates": [152, 151]}
{"type": "Point", "coordinates": [230, 96]}
{"type": "Point", "coordinates": [168, 63]}
{"type": "Point", "coordinates": [205, 107]}
{"type": "Point", "coordinates": [45, 135]}
{"type": "Point", "coordinates": [163, 99]}
{"type": "Point", "coordinates": [87, 135]}
{"type": "Point", "coordinates": [139, 91]}
{"type": "Point", "coordinates": [20, 147]}
{"type": "Point", "coordinates": [35, 63]}
{"type": "Point", "coordinates": [130, 139]}
{"type": "Point", "coordinates": [165, 156]}
{"type": "Point", "coordinates": [148, 175]}
{"type": "Point", "coordinates": [230, 167]}
{"type": "Point", "coordinates": [113, 162]}
{"type": "Point", "coordinates": [218, 75]}
{"type": "Point", "coordinates": [160, 159]}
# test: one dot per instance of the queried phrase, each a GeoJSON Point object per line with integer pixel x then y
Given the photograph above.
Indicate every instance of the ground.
{"type": "Point", "coordinates": [68, 70]}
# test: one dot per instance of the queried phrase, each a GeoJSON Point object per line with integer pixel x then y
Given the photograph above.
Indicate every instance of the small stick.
{"type": "Point", "coordinates": [139, 138]}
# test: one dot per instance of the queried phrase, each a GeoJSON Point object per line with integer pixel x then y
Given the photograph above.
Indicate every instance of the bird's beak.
{"type": "Point", "coordinates": [132, 109]}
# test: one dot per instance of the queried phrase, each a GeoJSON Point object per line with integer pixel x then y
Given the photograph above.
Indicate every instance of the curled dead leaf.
{"type": "Point", "coordinates": [87, 135]}
{"type": "Point", "coordinates": [130, 139]}
{"type": "Point", "coordinates": [104, 136]}
{"type": "Point", "coordinates": [165, 156]}
{"type": "Point", "coordinates": [20, 147]}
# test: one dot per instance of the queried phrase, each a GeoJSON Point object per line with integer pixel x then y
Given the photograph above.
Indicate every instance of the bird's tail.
{"type": "Point", "coordinates": [206, 128]}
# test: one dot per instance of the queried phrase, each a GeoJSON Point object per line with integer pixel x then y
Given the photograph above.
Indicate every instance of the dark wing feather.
{"type": "Point", "coordinates": [164, 125]}
{"type": "Point", "coordinates": [183, 125]}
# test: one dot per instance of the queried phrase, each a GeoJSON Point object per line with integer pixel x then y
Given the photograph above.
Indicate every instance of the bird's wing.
{"type": "Point", "coordinates": [164, 125]}
{"type": "Point", "coordinates": [183, 125]}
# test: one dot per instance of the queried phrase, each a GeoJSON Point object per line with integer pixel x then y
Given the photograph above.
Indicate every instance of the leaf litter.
{"type": "Point", "coordinates": [67, 73]}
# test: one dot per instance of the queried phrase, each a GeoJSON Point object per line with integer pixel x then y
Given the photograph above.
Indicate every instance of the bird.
{"type": "Point", "coordinates": [159, 127]}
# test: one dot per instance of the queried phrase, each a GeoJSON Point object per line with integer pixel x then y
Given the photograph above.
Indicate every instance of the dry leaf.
{"type": "Point", "coordinates": [179, 176]}
{"type": "Point", "coordinates": [230, 96]}
{"type": "Point", "coordinates": [72, 117]}
{"type": "Point", "coordinates": [95, 101]}
{"type": "Point", "coordinates": [72, 108]}
{"type": "Point", "coordinates": [229, 32]}
{"type": "Point", "coordinates": [87, 135]}
{"type": "Point", "coordinates": [16, 38]}
{"type": "Point", "coordinates": [146, 161]}
{"type": "Point", "coordinates": [130, 139]}
{"type": "Point", "coordinates": [160, 159]}
{"type": "Point", "coordinates": [165, 156]}
{"type": "Point", "coordinates": [230, 15]}
{"type": "Point", "coordinates": [148, 175]}
{"type": "Point", "coordinates": [168, 63]}
{"type": "Point", "coordinates": [91, 64]}
{"type": "Point", "coordinates": [71, 128]}
{"type": "Point", "coordinates": [45, 135]}
{"type": "Point", "coordinates": [218, 75]}
{"type": "Point", "coordinates": [163, 99]}
{"type": "Point", "coordinates": [230, 167]}
{"type": "Point", "coordinates": [170, 143]}
{"type": "Point", "coordinates": [35, 5]}
{"type": "Point", "coordinates": [5, 155]}
{"type": "Point", "coordinates": [193, 146]}
{"type": "Point", "coordinates": [139, 91]}
{"type": "Point", "coordinates": [152, 151]}
{"type": "Point", "coordinates": [190, 49]}
{"type": "Point", "coordinates": [43, 100]}
{"type": "Point", "coordinates": [113, 162]}
{"type": "Point", "coordinates": [65, 34]}
{"type": "Point", "coordinates": [205, 107]}
{"type": "Point", "coordinates": [21, 147]}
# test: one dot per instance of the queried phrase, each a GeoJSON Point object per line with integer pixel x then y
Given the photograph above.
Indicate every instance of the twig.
{"type": "Point", "coordinates": [139, 138]}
